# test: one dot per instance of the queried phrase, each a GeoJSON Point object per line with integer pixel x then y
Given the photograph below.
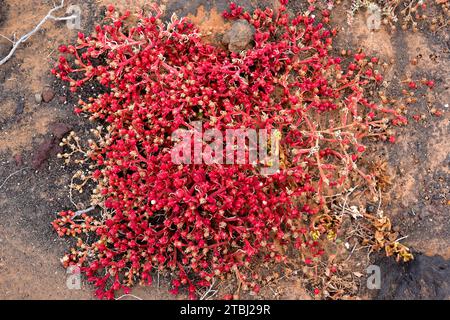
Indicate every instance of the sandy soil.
{"type": "Point", "coordinates": [418, 201]}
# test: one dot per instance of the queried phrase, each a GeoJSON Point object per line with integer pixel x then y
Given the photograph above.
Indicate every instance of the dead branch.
{"type": "Point", "coordinates": [25, 37]}
{"type": "Point", "coordinates": [209, 292]}
{"type": "Point", "coordinates": [129, 295]}
{"type": "Point", "coordinates": [10, 176]}
{"type": "Point", "coordinates": [79, 213]}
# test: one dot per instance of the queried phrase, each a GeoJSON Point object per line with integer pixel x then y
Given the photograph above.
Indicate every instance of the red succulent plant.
{"type": "Point", "coordinates": [198, 222]}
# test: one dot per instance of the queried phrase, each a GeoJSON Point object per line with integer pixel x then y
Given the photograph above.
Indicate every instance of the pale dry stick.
{"type": "Point", "coordinates": [350, 191]}
{"type": "Point", "coordinates": [334, 195]}
{"type": "Point", "coordinates": [273, 291]}
{"type": "Point", "coordinates": [350, 234]}
{"type": "Point", "coordinates": [129, 295]}
{"type": "Point", "coordinates": [214, 292]}
{"type": "Point", "coordinates": [351, 253]}
{"type": "Point", "coordinates": [80, 212]}
{"type": "Point", "coordinates": [51, 52]}
{"type": "Point", "coordinates": [4, 37]}
{"type": "Point", "coordinates": [400, 239]}
{"type": "Point", "coordinates": [272, 281]}
{"type": "Point", "coordinates": [71, 194]}
{"type": "Point", "coordinates": [26, 36]}
{"type": "Point", "coordinates": [441, 27]}
{"type": "Point", "coordinates": [11, 175]}
{"type": "Point", "coordinates": [369, 251]}
{"type": "Point", "coordinates": [379, 204]}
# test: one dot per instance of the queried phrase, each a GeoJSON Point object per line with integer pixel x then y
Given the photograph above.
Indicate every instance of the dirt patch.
{"type": "Point", "coordinates": [426, 278]}
{"type": "Point", "coordinates": [211, 24]}
{"type": "Point", "coordinates": [29, 271]}
{"type": "Point", "coordinates": [373, 42]}
{"type": "Point", "coordinates": [19, 137]}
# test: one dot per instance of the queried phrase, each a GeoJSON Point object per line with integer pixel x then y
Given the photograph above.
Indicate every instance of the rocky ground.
{"type": "Point", "coordinates": [35, 112]}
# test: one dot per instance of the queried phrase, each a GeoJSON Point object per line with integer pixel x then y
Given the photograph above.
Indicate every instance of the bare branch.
{"type": "Point", "coordinates": [4, 37]}
{"type": "Point", "coordinates": [79, 213]}
{"type": "Point", "coordinates": [11, 175]}
{"type": "Point", "coordinates": [129, 295]}
{"type": "Point", "coordinates": [25, 37]}
{"type": "Point", "coordinates": [210, 292]}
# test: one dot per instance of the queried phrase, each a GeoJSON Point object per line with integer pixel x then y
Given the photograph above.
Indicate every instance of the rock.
{"type": "Point", "coordinates": [20, 106]}
{"type": "Point", "coordinates": [370, 208]}
{"type": "Point", "coordinates": [38, 98]}
{"type": "Point", "coordinates": [50, 146]}
{"type": "Point", "coordinates": [18, 160]}
{"type": "Point", "coordinates": [239, 36]}
{"type": "Point", "coordinates": [48, 94]}
{"type": "Point", "coordinates": [42, 153]}
{"type": "Point", "coordinates": [424, 213]}
{"type": "Point", "coordinates": [62, 99]}
{"type": "Point", "coordinates": [59, 130]}
{"type": "Point", "coordinates": [424, 278]}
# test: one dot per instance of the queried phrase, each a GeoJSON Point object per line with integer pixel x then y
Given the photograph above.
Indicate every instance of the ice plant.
{"type": "Point", "coordinates": [199, 222]}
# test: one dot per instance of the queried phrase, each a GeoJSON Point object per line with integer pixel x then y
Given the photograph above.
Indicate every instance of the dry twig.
{"type": "Point", "coordinates": [210, 292]}
{"type": "Point", "coordinates": [26, 36]}
{"type": "Point", "coordinates": [129, 295]}
{"type": "Point", "coordinates": [11, 175]}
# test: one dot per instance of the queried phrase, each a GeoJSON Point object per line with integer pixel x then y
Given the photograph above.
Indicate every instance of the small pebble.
{"type": "Point", "coordinates": [62, 99]}
{"type": "Point", "coordinates": [38, 98]}
{"type": "Point", "coordinates": [370, 208]}
{"type": "Point", "coordinates": [48, 94]}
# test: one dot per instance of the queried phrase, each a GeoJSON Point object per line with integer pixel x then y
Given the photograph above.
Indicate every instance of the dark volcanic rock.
{"type": "Point", "coordinates": [42, 153]}
{"type": "Point", "coordinates": [20, 106]}
{"type": "Point", "coordinates": [422, 279]}
{"type": "Point", "coordinates": [59, 130]}
{"type": "Point", "coordinates": [50, 145]}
